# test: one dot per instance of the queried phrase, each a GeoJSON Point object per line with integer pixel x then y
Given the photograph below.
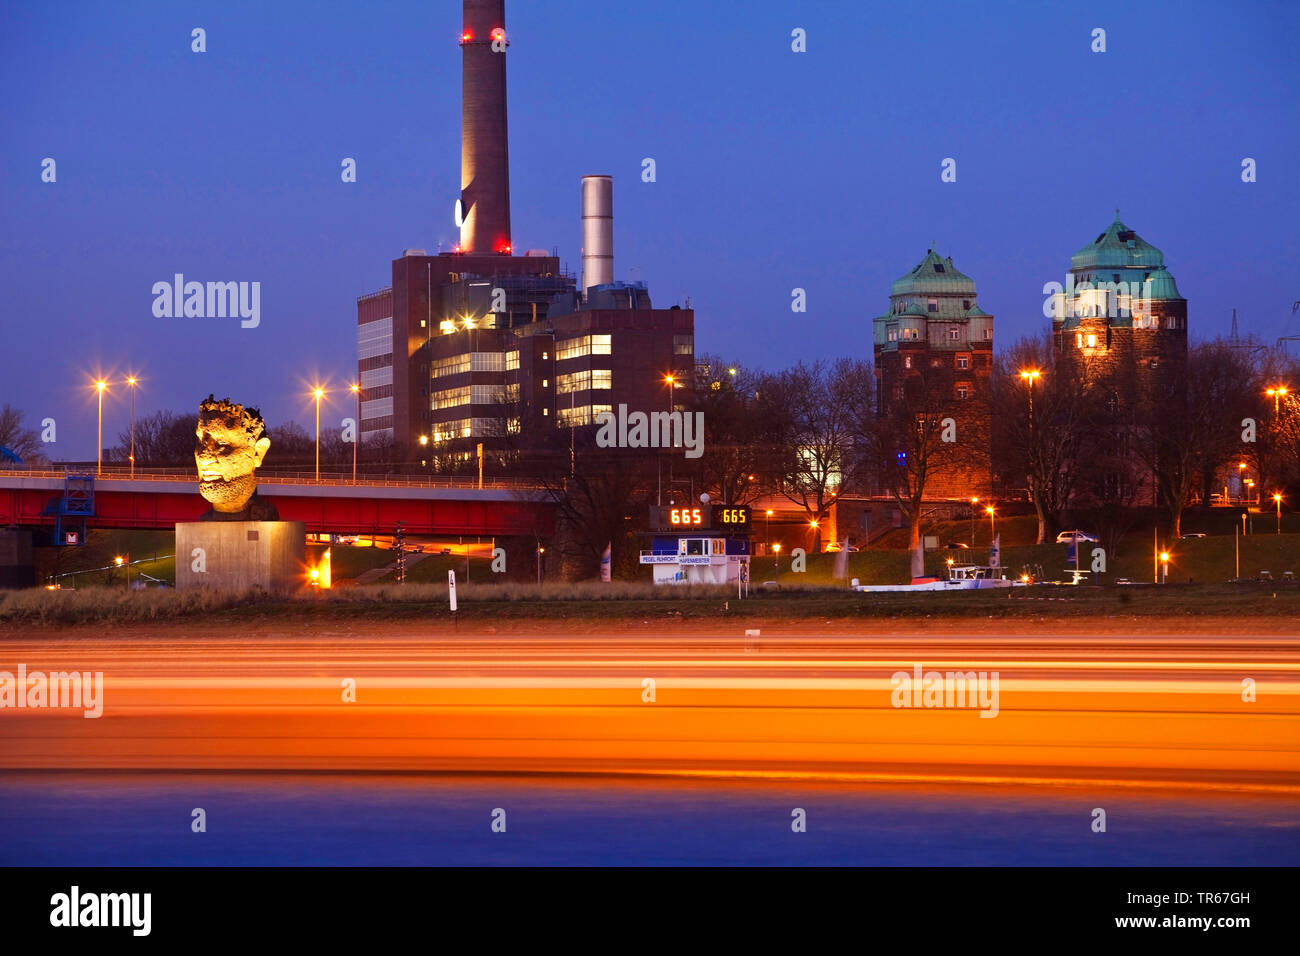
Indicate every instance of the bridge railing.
{"type": "Point", "coordinates": [282, 478]}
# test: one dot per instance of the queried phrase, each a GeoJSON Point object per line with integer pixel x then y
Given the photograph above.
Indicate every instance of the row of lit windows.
{"type": "Point", "coordinates": [469, 362]}
{"type": "Point", "coordinates": [962, 391]}
{"type": "Point", "coordinates": [583, 345]}
{"type": "Point", "coordinates": [567, 382]}
{"type": "Point", "coordinates": [963, 362]}
{"type": "Point", "coordinates": [931, 305]}
{"type": "Point", "coordinates": [467, 394]}
{"type": "Point", "coordinates": [467, 428]}
{"type": "Point", "coordinates": [582, 415]}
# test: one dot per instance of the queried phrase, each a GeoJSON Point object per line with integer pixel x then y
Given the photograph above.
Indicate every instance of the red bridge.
{"type": "Point", "coordinates": [371, 506]}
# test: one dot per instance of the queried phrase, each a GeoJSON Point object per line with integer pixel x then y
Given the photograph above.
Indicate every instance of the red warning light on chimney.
{"type": "Point", "coordinates": [503, 248]}
{"type": "Point", "coordinates": [466, 37]}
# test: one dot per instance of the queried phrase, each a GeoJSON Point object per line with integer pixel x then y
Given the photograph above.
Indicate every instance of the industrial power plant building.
{"type": "Point", "coordinates": [482, 345]}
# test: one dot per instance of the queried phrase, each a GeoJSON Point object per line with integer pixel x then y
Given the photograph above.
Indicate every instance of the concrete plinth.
{"type": "Point", "coordinates": [233, 555]}
{"type": "Point", "coordinates": [17, 567]}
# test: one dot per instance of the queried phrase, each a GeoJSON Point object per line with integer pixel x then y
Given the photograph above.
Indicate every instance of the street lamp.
{"type": "Point", "coordinates": [1277, 500]}
{"type": "Point", "coordinates": [776, 561]}
{"type": "Point", "coordinates": [992, 524]}
{"type": "Point", "coordinates": [131, 380]}
{"type": "Point", "coordinates": [1277, 393]}
{"type": "Point", "coordinates": [767, 527]}
{"type": "Point", "coordinates": [973, 503]}
{"type": "Point", "coordinates": [356, 435]}
{"type": "Point", "coordinates": [100, 385]}
{"type": "Point", "coordinates": [813, 526]}
{"type": "Point", "coordinates": [1164, 567]}
{"type": "Point", "coordinates": [540, 551]}
{"type": "Point", "coordinates": [319, 393]}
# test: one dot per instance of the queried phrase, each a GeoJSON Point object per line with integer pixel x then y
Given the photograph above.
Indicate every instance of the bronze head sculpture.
{"type": "Point", "coordinates": [231, 443]}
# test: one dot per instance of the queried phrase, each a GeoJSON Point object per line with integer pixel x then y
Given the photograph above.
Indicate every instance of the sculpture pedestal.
{"type": "Point", "coordinates": [233, 555]}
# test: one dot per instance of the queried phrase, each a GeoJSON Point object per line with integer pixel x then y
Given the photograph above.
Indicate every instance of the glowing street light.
{"type": "Point", "coordinates": [973, 502]}
{"type": "Point", "coordinates": [1164, 567]}
{"type": "Point", "coordinates": [319, 393]}
{"type": "Point", "coordinates": [100, 385]}
{"type": "Point", "coordinates": [1277, 500]}
{"type": "Point", "coordinates": [992, 513]}
{"type": "Point", "coordinates": [355, 387]}
{"type": "Point", "coordinates": [1277, 393]}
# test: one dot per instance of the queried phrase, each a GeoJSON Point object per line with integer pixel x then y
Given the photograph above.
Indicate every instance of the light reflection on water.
{"type": "Point", "coordinates": [85, 819]}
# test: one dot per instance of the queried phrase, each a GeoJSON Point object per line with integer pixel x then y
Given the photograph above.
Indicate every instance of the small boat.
{"type": "Point", "coordinates": [961, 577]}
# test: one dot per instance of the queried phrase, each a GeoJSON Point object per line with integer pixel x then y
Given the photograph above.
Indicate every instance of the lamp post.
{"type": "Point", "coordinates": [767, 528]}
{"type": "Point", "coordinates": [318, 392]}
{"type": "Point", "coordinates": [100, 385]}
{"type": "Point", "coordinates": [1241, 476]}
{"type": "Point", "coordinates": [131, 380]}
{"type": "Point", "coordinates": [973, 503]}
{"type": "Point", "coordinates": [1277, 500]}
{"type": "Point", "coordinates": [992, 524]}
{"type": "Point", "coordinates": [1164, 567]}
{"type": "Point", "coordinates": [813, 526]}
{"type": "Point", "coordinates": [776, 561]}
{"type": "Point", "coordinates": [1277, 393]}
{"type": "Point", "coordinates": [540, 551]}
{"type": "Point", "coordinates": [356, 435]}
{"type": "Point", "coordinates": [671, 382]}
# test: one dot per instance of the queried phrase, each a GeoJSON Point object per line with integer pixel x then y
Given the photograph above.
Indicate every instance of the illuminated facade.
{"type": "Point", "coordinates": [936, 339]}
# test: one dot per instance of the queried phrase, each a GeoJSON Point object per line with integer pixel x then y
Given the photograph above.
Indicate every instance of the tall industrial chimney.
{"type": "Point", "coordinates": [484, 145]}
{"type": "Point", "coordinates": [597, 231]}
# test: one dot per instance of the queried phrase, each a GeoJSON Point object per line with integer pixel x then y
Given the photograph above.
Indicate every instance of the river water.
{"type": "Point", "coordinates": [101, 819]}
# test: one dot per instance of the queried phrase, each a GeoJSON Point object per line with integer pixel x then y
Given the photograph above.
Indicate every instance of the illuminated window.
{"type": "Point", "coordinates": [512, 360]}
{"type": "Point", "coordinates": [963, 391]}
{"type": "Point", "coordinates": [963, 361]}
{"type": "Point", "coordinates": [1078, 340]}
{"type": "Point", "coordinates": [488, 362]}
{"type": "Point", "coordinates": [451, 366]}
{"type": "Point", "coordinates": [682, 345]}
{"type": "Point", "coordinates": [1092, 341]}
{"type": "Point", "coordinates": [581, 381]}
{"type": "Point", "coordinates": [451, 397]}
{"type": "Point", "coordinates": [988, 335]}
{"type": "Point", "coordinates": [907, 361]}
{"type": "Point", "coordinates": [893, 335]}
{"type": "Point", "coordinates": [488, 394]}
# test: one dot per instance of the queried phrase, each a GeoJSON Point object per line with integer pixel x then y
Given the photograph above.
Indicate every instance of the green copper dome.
{"type": "Point", "coordinates": [1162, 285]}
{"type": "Point", "coordinates": [1119, 247]}
{"type": "Point", "coordinates": [934, 275]}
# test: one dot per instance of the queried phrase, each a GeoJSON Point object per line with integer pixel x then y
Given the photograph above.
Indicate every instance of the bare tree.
{"type": "Point", "coordinates": [1042, 453]}
{"type": "Point", "coordinates": [164, 439]}
{"type": "Point", "coordinates": [820, 414]}
{"type": "Point", "coordinates": [917, 446]}
{"type": "Point", "coordinates": [22, 442]}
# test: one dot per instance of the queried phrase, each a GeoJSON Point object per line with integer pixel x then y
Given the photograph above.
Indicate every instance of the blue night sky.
{"type": "Point", "coordinates": [776, 170]}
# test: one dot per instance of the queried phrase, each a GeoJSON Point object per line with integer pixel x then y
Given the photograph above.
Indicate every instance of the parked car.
{"type": "Point", "coordinates": [1195, 534]}
{"type": "Point", "coordinates": [958, 545]}
{"type": "Point", "coordinates": [1065, 537]}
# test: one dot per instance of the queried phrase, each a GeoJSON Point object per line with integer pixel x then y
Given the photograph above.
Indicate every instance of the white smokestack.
{"type": "Point", "coordinates": [597, 231]}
